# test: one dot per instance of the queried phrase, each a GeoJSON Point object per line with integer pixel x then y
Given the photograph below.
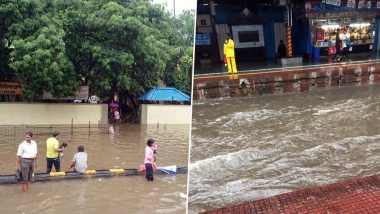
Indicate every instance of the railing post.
{"type": "Point", "coordinates": [72, 126]}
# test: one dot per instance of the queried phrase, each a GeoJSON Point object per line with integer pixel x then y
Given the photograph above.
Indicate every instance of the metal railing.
{"type": "Point", "coordinates": [19, 130]}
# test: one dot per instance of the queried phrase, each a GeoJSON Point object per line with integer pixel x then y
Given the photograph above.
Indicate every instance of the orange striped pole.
{"type": "Point", "coordinates": [289, 40]}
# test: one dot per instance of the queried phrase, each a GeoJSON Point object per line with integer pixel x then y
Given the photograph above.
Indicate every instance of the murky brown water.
{"type": "Point", "coordinates": [247, 149]}
{"type": "Point", "coordinates": [106, 195]}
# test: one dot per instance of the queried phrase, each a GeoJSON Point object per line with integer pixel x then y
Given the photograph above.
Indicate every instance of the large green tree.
{"type": "Point", "coordinates": [112, 46]}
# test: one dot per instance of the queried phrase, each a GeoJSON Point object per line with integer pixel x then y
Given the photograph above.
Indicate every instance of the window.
{"type": "Point", "coordinates": [248, 36]}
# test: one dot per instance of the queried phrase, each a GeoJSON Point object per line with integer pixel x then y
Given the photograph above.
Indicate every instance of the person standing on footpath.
{"type": "Point", "coordinates": [229, 54]}
{"type": "Point", "coordinates": [26, 160]}
{"type": "Point", "coordinates": [281, 49]}
{"type": "Point", "coordinates": [346, 43]}
{"type": "Point", "coordinates": [338, 46]}
{"type": "Point", "coordinates": [52, 153]}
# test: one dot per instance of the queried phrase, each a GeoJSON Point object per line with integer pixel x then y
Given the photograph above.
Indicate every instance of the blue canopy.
{"type": "Point", "coordinates": [164, 94]}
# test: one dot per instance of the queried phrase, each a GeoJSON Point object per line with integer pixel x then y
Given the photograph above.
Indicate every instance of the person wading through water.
{"type": "Point", "coordinates": [52, 153]}
{"type": "Point", "coordinates": [149, 160]}
{"type": "Point", "coordinates": [26, 160]}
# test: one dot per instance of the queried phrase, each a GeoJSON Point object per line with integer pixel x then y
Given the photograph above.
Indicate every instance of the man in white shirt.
{"type": "Point", "coordinates": [26, 159]}
{"type": "Point", "coordinates": [79, 160]}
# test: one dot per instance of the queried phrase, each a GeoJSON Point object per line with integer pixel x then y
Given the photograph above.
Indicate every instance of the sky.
{"type": "Point", "coordinates": [180, 5]}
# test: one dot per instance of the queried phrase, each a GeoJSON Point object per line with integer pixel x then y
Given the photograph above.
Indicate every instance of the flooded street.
{"type": "Point", "coordinates": [252, 148]}
{"type": "Point", "coordinates": [110, 195]}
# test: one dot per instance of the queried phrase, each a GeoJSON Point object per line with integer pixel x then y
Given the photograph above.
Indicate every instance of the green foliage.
{"type": "Point", "coordinates": [179, 73]}
{"type": "Point", "coordinates": [112, 46]}
{"type": "Point", "coordinates": [40, 61]}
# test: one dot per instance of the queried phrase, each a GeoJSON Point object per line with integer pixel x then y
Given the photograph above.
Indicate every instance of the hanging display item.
{"type": "Point", "coordinates": [360, 4]}
{"type": "Point", "coordinates": [351, 3]}
{"type": "Point", "coordinates": [334, 2]}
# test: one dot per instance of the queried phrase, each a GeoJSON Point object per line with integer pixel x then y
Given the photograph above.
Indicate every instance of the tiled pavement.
{"type": "Point", "coordinates": [361, 195]}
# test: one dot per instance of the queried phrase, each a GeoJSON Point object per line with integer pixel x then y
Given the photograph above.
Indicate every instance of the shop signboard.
{"type": "Point", "coordinates": [11, 88]}
{"type": "Point", "coordinates": [340, 5]}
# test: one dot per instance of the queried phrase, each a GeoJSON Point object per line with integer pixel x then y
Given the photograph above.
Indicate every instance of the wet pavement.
{"type": "Point", "coordinates": [275, 65]}
{"type": "Point", "coordinates": [360, 195]}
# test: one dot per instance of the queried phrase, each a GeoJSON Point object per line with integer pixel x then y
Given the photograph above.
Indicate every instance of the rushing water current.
{"type": "Point", "coordinates": [252, 148]}
{"type": "Point", "coordinates": [127, 194]}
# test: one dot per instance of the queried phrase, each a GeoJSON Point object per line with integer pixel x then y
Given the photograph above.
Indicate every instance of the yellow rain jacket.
{"type": "Point", "coordinates": [228, 48]}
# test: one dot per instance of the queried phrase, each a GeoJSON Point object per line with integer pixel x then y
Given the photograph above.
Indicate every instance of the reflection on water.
{"type": "Point", "coordinates": [125, 149]}
{"type": "Point", "coordinates": [246, 149]}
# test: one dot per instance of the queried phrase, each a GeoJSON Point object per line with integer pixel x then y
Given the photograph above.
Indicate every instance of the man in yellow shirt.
{"type": "Point", "coordinates": [229, 53]}
{"type": "Point", "coordinates": [52, 153]}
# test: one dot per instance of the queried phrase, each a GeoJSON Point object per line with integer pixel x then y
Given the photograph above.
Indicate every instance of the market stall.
{"type": "Point", "coordinates": [328, 19]}
{"type": "Point", "coordinates": [361, 32]}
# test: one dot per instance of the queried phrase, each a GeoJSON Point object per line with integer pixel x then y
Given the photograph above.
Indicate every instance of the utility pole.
{"type": "Point", "coordinates": [174, 7]}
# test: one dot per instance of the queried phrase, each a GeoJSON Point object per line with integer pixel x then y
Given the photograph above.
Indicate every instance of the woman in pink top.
{"type": "Point", "coordinates": [149, 160]}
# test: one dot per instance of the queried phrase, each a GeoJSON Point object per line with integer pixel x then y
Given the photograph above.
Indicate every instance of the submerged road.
{"type": "Point", "coordinates": [246, 149]}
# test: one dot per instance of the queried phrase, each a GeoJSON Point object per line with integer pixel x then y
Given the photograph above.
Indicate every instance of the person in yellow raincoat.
{"type": "Point", "coordinates": [229, 54]}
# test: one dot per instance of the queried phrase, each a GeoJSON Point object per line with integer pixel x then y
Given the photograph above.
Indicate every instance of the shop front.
{"type": "Point", "coordinates": [330, 20]}
{"type": "Point", "coordinates": [360, 28]}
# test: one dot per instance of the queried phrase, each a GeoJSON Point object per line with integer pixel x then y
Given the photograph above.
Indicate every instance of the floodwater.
{"type": "Point", "coordinates": [252, 148]}
{"type": "Point", "coordinates": [125, 149]}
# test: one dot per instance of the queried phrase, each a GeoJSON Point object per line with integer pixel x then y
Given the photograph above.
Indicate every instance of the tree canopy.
{"type": "Point", "coordinates": [112, 46]}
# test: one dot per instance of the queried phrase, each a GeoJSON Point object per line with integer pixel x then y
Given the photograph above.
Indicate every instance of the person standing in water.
{"type": "Point", "coordinates": [229, 54]}
{"type": "Point", "coordinates": [149, 160]}
{"type": "Point", "coordinates": [26, 160]}
{"type": "Point", "coordinates": [52, 153]}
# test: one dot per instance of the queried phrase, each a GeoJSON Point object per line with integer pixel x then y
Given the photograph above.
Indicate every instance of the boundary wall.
{"type": "Point", "coordinates": [52, 113]}
{"type": "Point", "coordinates": [165, 114]}
{"type": "Point", "coordinates": [286, 80]}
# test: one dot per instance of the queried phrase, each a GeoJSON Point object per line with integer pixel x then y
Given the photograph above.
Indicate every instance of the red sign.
{"type": "Point", "coordinates": [320, 34]}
